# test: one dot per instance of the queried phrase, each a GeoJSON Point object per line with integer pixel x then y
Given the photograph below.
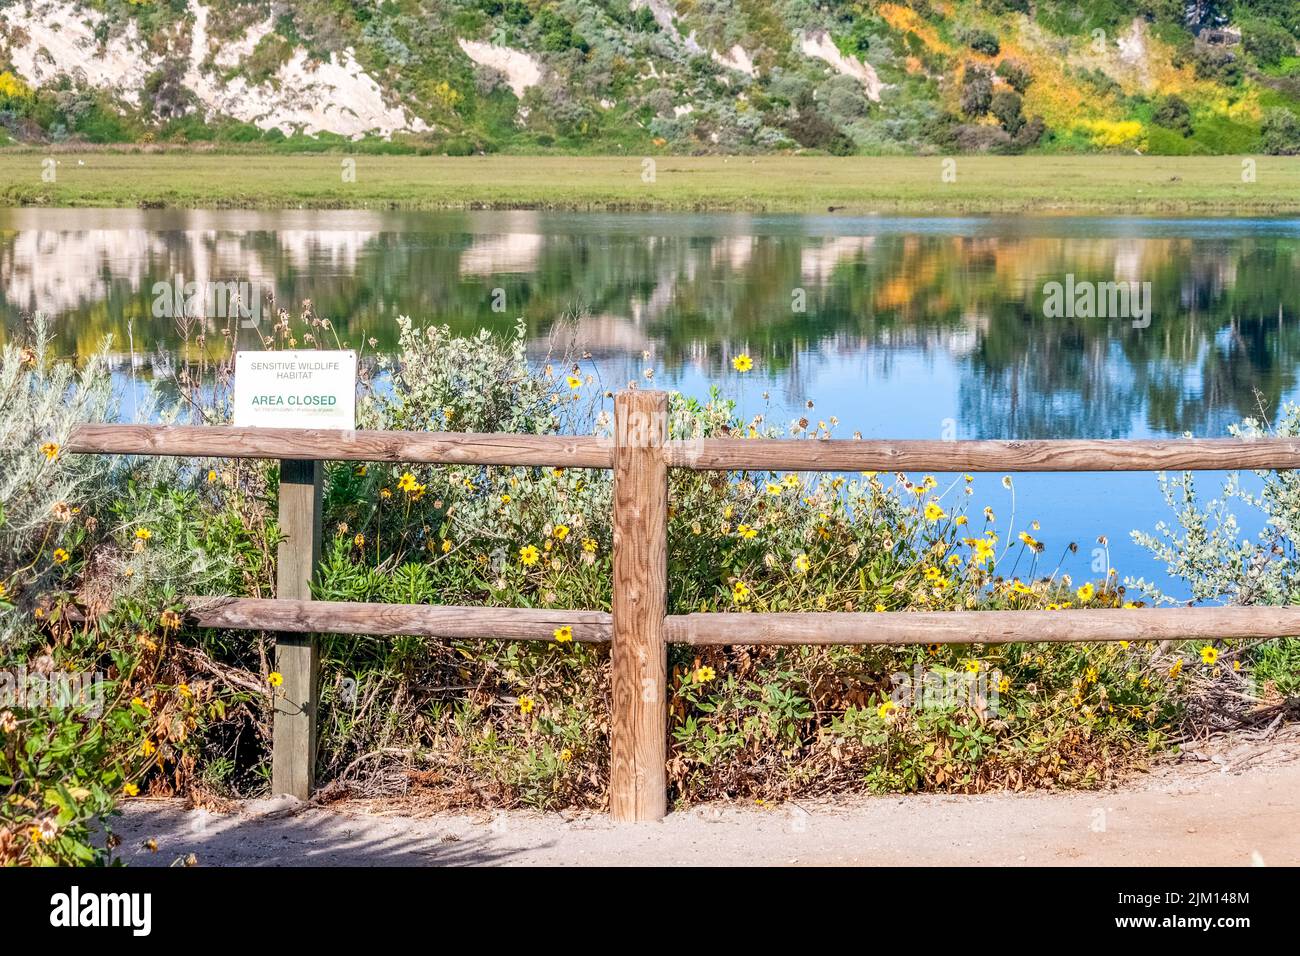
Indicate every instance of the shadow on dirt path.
{"type": "Point", "coordinates": [1228, 804]}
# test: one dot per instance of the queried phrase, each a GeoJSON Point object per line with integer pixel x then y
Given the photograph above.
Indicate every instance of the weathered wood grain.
{"type": "Point", "coordinates": [448, 448]}
{"type": "Point", "coordinates": [986, 627]}
{"type": "Point", "coordinates": [719, 454]}
{"type": "Point", "coordinates": [893, 627]}
{"type": "Point", "coordinates": [419, 620]}
{"type": "Point", "coordinates": [293, 751]}
{"type": "Point", "coordinates": [1201, 454]}
{"type": "Point", "coordinates": [638, 780]}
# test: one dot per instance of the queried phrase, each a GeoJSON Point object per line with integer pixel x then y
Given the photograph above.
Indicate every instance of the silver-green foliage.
{"type": "Point", "coordinates": [1206, 545]}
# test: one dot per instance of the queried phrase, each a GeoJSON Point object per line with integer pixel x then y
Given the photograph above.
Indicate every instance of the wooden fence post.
{"type": "Point", "coordinates": [638, 779]}
{"type": "Point", "coordinates": [293, 754]}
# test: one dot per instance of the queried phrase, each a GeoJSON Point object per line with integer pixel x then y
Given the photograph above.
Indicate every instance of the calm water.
{"type": "Point", "coordinates": [911, 327]}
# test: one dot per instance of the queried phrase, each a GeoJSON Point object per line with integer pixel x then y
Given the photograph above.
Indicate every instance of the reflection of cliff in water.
{"type": "Point", "coordinates": [694, 291]}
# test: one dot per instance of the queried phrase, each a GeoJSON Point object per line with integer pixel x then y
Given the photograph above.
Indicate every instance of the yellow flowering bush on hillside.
{"type": "Point", "coordinates": [1112, 134]}
{"type": "Point", "coordinates": [13, 87]}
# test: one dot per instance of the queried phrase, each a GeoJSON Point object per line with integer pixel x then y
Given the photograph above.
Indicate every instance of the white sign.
{"type": "Point", "coordinates": [296, 390]}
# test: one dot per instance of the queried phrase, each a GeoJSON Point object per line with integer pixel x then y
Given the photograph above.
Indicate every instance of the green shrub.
{"type": "Point", "coordinates": [1267, 42]}
{"type": "Point", "coordinates": [115, 537]}
{"type": "Point", "coordinates": [1174, 113]}
{"type": "Point", "coordinates": [1206, 546]}
{"type": "Point", "coordinates": [1216, 63]}
{"type": "Point", "coordinates": [976, 91]}
{"type": "Point", "coordinates": [1016, 74]}
{"type": "Point", "coordinates": [458, 146]}
{"type": "Point", "coordinates": [1005, 107]}
{"type": "Point", "coordinates": [1280, 132]}
{"type": "Point", "coordinates": [981, 41]}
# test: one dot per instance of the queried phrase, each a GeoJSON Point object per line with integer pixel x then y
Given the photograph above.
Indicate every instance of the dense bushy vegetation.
{"type": "Point", "coordinates": [96, 553]}
{"type": "Point", "coordinates": [644, 75]}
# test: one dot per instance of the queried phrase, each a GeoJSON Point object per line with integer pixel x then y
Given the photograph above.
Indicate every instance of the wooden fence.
{"type": "Point", "coordinates": [639, 626]}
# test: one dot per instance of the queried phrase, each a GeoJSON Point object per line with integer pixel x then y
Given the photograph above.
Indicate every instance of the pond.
{"type": "Point", "coordinates": [899, 327]}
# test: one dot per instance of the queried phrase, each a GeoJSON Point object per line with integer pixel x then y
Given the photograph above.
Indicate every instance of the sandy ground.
{"type": "Point", "coordinates": [1236, 802]}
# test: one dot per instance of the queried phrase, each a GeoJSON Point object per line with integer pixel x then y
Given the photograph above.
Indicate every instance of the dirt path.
{"type": "Point", "coordinates": [1236, 803]}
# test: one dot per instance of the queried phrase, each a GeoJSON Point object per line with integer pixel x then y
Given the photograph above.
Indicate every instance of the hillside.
{"type": "Point", "coordinates": [636, 76]}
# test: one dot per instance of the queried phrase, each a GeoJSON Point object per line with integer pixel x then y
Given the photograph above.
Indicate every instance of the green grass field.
{"type": "Point", "coordinates": [1114, 184]}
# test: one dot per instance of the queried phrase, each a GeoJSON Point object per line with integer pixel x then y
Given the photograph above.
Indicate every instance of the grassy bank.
{"type": "Point", "coordinates": [1112, 184]}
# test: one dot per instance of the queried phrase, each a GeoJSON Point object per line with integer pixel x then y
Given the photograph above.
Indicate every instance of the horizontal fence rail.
{"type": "Point", "coordinates": [639, 627]}
{"type": "Point", "coordinates": [434, 448]}
{"type": "Point", "coordinates": [985, 627]}
{"type": "Point", "coordinates": [749, 628]}
{"type": "Point", "coordinates": [419, 620]}
{"type": "Point", "coordinates": [1060, 454]}
{"type": "Point", "coordinates": [705, 454]}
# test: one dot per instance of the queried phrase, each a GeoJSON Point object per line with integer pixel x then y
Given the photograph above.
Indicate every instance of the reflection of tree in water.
{"type": "Point", "coordinates": [1053, 382]}
{"type": "Point", "coordinates": [1223, 343]}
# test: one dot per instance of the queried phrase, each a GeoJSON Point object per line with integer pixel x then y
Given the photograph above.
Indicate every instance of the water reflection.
{"type": "Point", "coordinates": [796, 292]}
